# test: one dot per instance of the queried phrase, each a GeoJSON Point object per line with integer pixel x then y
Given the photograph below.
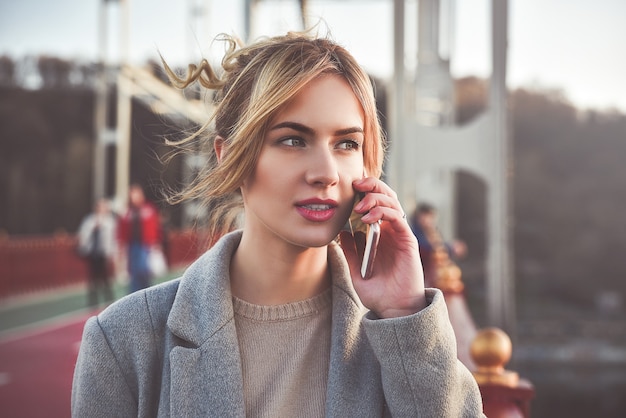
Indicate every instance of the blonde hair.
{"type": "Point", "coordinates": [257, 80]}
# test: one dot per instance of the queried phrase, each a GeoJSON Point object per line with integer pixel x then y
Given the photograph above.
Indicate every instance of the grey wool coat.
{"type": "Point", "coordinates": [171, 351]}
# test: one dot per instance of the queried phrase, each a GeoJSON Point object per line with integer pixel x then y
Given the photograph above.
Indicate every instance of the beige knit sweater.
{"type": "Point", "coordinates": [285, 353]}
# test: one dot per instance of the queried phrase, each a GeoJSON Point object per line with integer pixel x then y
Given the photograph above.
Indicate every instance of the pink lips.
{"type": "Point", "coordinates": [317, 210]}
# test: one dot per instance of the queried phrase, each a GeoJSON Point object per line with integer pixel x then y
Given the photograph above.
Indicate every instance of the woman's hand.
{"type": "Point", "coordinates": [396, 285]}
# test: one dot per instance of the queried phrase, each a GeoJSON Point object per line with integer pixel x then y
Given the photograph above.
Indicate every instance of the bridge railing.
{"type": "Point", "coordinates": [36, 263]}
{"type": "Point", "coordinates": [485, 352]}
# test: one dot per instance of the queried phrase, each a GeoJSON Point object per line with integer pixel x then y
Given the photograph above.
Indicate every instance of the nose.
{"type": "Point", "coordinates": [322, 168]}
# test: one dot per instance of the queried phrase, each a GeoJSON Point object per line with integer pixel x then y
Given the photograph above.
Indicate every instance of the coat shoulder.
{"type": "Point", "coordinates": [140, 316]}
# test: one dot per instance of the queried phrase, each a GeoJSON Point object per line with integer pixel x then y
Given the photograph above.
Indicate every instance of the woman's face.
{"type": "Point", "coordinates": [301, 189]}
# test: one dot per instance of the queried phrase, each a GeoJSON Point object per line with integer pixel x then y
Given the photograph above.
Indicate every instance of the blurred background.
{"type": "Point", "coordinates": [566, 129]}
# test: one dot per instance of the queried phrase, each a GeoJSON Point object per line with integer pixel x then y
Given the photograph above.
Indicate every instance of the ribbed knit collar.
{"type": "Point", "coordinates": [286, 312]}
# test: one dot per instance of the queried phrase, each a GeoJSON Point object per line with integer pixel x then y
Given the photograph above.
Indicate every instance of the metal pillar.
{"type": "Point", "coordinates": [434, 106]}
{"type": "Point", "coordinates": [501, 294]}
{"type": "Point", "coordinates": [124, 115]}
{"type": "Point", "coordinates": [248, 14]}
{"type": "Point", "coordinates": [124, 131]}
{"type": "Point", "coordinates": [480, 147]}
{"type": "Point", "coordinates": [304, 13]}
{"type": "Point", "coordinates": [101, 105]}
{"type": "Point", "coordinates": [395, 167]}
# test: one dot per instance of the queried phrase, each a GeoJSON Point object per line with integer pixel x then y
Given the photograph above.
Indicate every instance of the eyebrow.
{"type": "Point", "coordinates": [310, 131]}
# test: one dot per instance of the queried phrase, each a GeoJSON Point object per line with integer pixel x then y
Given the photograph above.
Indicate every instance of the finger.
{"type": "Point", "coordinates": [374, 185]}
{"type": "Point", "coordinates": [372, 200]}
{"type": "Point", "coordinates": [395, 217]}
{"type": "Point", "coordinates": [376, 193]}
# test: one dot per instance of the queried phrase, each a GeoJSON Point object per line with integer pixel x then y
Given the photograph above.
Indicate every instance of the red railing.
{"type": "Point", "coordinates": [484, 352]}
{"type": "Point", "coordinates": [35, 263]}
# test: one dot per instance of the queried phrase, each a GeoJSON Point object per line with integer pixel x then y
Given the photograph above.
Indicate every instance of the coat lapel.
{"type": "Point", "coordinates": [205, 369]}
{"type": "Point", "coordinates": [354, 388]}
{"type": "Point", "coordinates": [206, 381]}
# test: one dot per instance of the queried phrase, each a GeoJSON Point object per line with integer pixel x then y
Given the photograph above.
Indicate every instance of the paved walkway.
{"type": "Point", "coordinates": [39, 341]}
{"type": "Point", "coordinates": [36, 369]}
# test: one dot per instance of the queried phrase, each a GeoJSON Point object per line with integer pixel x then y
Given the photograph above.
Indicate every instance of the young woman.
{"type": "Point", "coordinates": [275, 320]}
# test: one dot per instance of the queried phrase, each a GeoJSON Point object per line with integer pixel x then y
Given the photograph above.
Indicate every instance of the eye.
{"type": "Point", "coordinates": [349, 145]}
{"type": "Point", "coordinates": [293, 142]}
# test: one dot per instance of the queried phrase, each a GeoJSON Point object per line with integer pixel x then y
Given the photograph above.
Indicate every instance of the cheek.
{"type": "Point", "coordinates": [268, 174]}
{"type": "Point", "coordinates": [356, 169]}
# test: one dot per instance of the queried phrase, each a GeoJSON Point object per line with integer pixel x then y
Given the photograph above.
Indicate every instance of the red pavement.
{"type": "Point", "coordinates": [36, 369]}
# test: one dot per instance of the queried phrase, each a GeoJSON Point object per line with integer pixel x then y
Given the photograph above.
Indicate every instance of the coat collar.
{"type": "Point", "coordinates": [203, 303]}
{"type": "Point", "coordinates": [209, 365]}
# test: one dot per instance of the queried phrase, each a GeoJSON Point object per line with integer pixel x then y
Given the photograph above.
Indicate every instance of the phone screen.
{"type": "Point", "coordinates": [366, 237]}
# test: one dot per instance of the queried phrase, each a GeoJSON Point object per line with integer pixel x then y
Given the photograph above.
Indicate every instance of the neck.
{"type": "Point", "coordinates": [265, 273]}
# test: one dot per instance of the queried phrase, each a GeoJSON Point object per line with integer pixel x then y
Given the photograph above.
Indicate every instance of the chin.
{"type": "Point", "coordinates": [314, 239]}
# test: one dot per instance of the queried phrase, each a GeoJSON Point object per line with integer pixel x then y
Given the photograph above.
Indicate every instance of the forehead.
{"type": "Point", "coordinates": [326, 101]}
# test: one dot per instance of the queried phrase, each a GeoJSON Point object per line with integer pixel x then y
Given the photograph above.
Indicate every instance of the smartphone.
{"type": "Point", "coordinates": [371, 245]}
{"type": "Point", "coordinates": [366, 249]}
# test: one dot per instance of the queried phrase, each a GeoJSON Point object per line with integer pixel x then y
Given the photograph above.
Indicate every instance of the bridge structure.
{"type": "Point", "coordinates": [427, 148]}
{"type": "Point", "coordinates": [137, 83]}
{"type": "Point", "coordinates": [141, 84]}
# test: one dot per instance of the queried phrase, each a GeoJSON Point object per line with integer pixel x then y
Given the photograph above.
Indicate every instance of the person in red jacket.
{"type": "Point", "coordinates": [139, 232]}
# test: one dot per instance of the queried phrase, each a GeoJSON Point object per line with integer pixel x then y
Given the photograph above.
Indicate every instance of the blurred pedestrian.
{"type": "Point", "coordinates": [423, 223]}
{"type": "Point", "coordinates": [97, 245]}
{"type": "Point", "coordinates": [139, 233]}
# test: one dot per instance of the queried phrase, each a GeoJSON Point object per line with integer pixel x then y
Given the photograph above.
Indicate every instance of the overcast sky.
{"type": "Point", "coordinates": [573, 45]}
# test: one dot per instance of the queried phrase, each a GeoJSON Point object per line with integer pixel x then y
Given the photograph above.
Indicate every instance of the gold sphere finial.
{"type": "Point", "coordinates": [491, 349]}
{"type": "Point", "coordinates": [447, 273]}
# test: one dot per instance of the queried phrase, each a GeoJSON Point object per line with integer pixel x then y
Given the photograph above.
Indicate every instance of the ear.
{"type": "Point", "coordinates": [219, 145]}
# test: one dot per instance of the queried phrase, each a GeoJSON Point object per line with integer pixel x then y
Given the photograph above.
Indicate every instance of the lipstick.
{"type": "Point", "coordinates": [317, 210]}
